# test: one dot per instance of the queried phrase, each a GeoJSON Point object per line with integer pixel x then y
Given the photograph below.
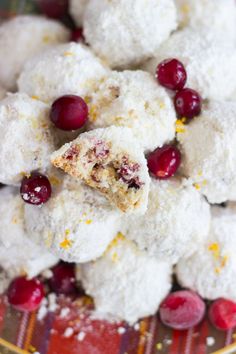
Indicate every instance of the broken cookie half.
{"type": "Point", "coordinates": [111, 161]}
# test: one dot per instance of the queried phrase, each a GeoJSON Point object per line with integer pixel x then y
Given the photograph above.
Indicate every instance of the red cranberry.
{"type": "Point", "coordinates": [182, 310]}
{"type": "Point", "coordinates": [69, 112]}
{"type": "Point", "coordinates": [63, 279]}
{"type": "Point", "coordinates": [53, 8]}
{"type": "Point", "coordinates": [222, 314]}
{"type": "Point", "coordinates": [35, 189]}
{"type": "Point", "coordinates": [188, 103]}
{"type": "Point", "coordinates": [164, 162]}
{"type": "Point", "coordinates": [77, 35]}
{"type": "Point", "coordinates": [171, 74]}
{"type": "Point", "coordinates": [24, 294]}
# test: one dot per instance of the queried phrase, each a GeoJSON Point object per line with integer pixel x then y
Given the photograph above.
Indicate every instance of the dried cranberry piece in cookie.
{"type": "Point", "coordinates": [111, 161]}
{"type": "Point", "coordinates": [53, 8]}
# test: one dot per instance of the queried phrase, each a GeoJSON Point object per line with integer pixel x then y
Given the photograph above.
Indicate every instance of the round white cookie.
{"type": "Point", "coordinates": [76, 224]}
{"type": "Point", "coordinates": [210, 63]}
{"type": "Point", "coordinates": [111, 161]}
{"type": "Point", "coordinates": [23, 37]}
{"type": "Point", "coordinates": [3, 93]}
{"type": "Point", "coordinates": [126, 283]}
{"type": "Point", "coordinates": [26, 140]}
{"type": "Point", "coordinates": [77, 9]}
{"type": "Point", "coordinates": [208, 151]}
{"type": "Point", "coordinates": [134, 99]}
{"type": "Point", "coordinates": [211, 269]}
{"type": "Point", "coordinates": [64, 69]}
{"type": "Point", "coordinates": [18, 254]}
{"type": "Point", "coordinates": [128, 32]}
{"type": "Point", "coordinates": [176, 222]}
{"type": "Point", "coordinates": [216, 16]}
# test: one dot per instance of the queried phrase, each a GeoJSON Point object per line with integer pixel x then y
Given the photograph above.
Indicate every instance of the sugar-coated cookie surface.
{"type": "Point", "coordinates": [76, 224]}
{"type": "Point", "coordinates": [77, 9]}
{"type": "Point", "coordinates": [134, 99]}
{"type": "Point", "coordinates": [128, 32]}
{"type": "Point", "coordinates": [176, 222]}
{"type": "Point", "coordinates": [111, 161]}
{"type": "Point", "coordinates": [125, 282]}
{"type": "Point", "coordinates": [18, 254]}
{"type": "Point", "coordinates": [216, 16]}
{"type": "Point", "coordinates": [2, 92]}
{"type": "Point", "coordinates": [64, 69]}
{"type": "Point", "coordinates": [23, 37]}
{"type": "Point", "coordinates": [210, 63]}
{"type": "Point", "coordinates": [26, 140]}
{"type": "Point", "coordinates": [211, 269]}
{"type": "Point", "coordinates": [208, 151]}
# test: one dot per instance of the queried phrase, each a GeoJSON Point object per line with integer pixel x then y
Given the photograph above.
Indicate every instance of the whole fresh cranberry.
{"type": "Point", "coordinates": [77, 35]}
{"type": "Point", "coordinates": [188, 103]}
{"type": "Point", "coordinates": [182, 310]}
{"type": "Point", "coordinates": [222, 314]}
{"type": "Point", "coordinates": [69, 112]}
{"type": "Point", "coordinates": [63, 279]}
{"type": "Point", "coordinates": [24, 294]}
{"type": "Point", "coordinates": [171, 74]}
{"type": "Point", "coordinates": [35, 189]}
{"type": "Point", "coordinates": [164, 162]}
{"type": "Point", "coordinates": [53, 8]}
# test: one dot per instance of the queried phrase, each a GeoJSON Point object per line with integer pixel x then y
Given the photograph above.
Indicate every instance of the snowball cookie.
{"type": "Point", "coordinates": [216, 16]}
{"type": "Point", "coordinates": [128, 32]}
{"type": "Point", "coordinates": [211, 269]}
{"type": "Point", "coordinates": [176, 222]}
{"type": "Point", "coordinates": [76, 224]}
{"type": "Point", "coordinates": [210, 63]}
{"type": "Point", "coordinates": [111, 161]}
{"type": "Point", "coordinates": [77, 9]}
{"type": "Point", "coordinates": [26, 141]}
{"type": "Point", "coordinates": [23, 37]}
{"type": "Point", "coordinates": [2, 92]}
{"type": "Point", "coordinates": [64, 69]}
{"type": "Point", "coordinates": [126, 283]}
{"type": "Point", "coordinates": [208, 151]}
{"type": "Point", "coordinates": [19, 255]}
{"type": "Point", "coordinates": [135, 100]}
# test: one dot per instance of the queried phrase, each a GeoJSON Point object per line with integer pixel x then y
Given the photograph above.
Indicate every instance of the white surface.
{"type": "Point", "coordinates": [208, 151]}
{"type": "Point", "coordinates": [64, 69]}
{"type": "Point", "coordinates": [128, 32]}
{"type": "Point", "coordinates": [200, 273]}
{"type": "Point", "coordinates": [21, 38]}
{"type": "Point", "coordinates": [210, 63]}
{"type": "Point", "coordinates": [125, 282]}
{"type": "Point", "coordinates": [134, 99]}
{"type": "Point", "coordinates": [214, 16]}
{"type": "Point", "coordinates": [26, 140]}
{"type": "Point", "coordinates": [75, 213]}
{"type": "Point", "coordinates": [19, 255]}
{"type": "Point", "coordinates": [176, 222]}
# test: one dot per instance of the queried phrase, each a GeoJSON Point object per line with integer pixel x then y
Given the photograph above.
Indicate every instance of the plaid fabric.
{"type": "Point", "coordinates": [91, 336]}
{"type": "Point", "coordinates": [100, 337]}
